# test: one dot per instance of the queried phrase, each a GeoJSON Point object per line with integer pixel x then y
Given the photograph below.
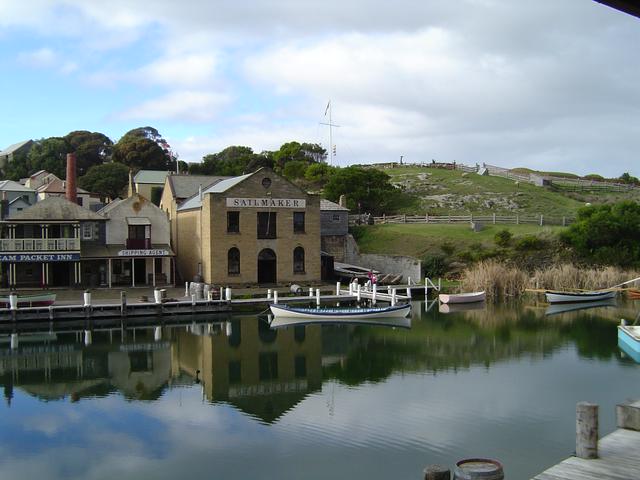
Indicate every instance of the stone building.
{"type": "Point", "coordinates": [334, 229]}
{"type": "Point", "coordinates": [145, 182]}
{"type": "Point", "coordinates": [255, 228]}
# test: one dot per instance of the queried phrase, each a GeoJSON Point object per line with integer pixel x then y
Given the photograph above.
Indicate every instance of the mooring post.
{"type": "Point", "coordinates": [193, 300]}
{"type": "Point", "coordinates": [14, 341]}
{"type": "Point", "coordinates": [123, 304]}
{"type": "Point", "coordinates": [228, 294]}
{"type": "Point", "coordinates": [13, 301]}
{"type": "Point", "coordinates": [310, 292]}
{"type": "Point", "coordinates": [318, 297]}
{"type": "Point", "coordinates": [87, 338]}
{"type": "Point", "coordinates": [393, 297]}
{"type": "Point", "coordinates": [157, 333]}
{"type": "Point", "coordinates": [269, 294]}
{"type": "Point", "coordinates": [409, 292]}
{"type": "Point", "coordinates": [586, 430]}
{"type": "Point", "coordinates": [186, 289]}
{"type": "Point", "coordinates": [275, 297]}
{"type": "Point", "coordinates": [350, 288]}
{"type": "Point", "coordinates": [426, 287]}
{"type": "Point", "coordinates": [358, 292]}
{"type": "Point", "coordinates": [337, 288]}
{"type": "Point", "coordinates": [374, 291]}
{"type": "Point", "coordinates": [437, 472]}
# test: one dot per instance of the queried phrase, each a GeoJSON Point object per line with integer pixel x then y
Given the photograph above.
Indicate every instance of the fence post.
{"type": "Point", "coordinates": [404, 218]}
{"type": "Point", "coordinates": [427, 218]}
{"type": "Point", "coordinates": [586, 430]}
{"type": "Point", "coordinates": [494, 218]}
{"type": "Point", "coordinates": [541, 219]}
{"type": "Point", "coordinates": [564, 221]}
{"type": "Point", "coordinates": [517, 219]}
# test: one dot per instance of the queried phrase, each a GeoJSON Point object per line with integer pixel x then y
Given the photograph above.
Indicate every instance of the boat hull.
{"type": "Point", "coordinates": [630, 337]}
{"type": "Point", "coordinates": [568, 297]}
{"type": "Point", "coordinates": [471, 297]}
{"type": "Point", "coordinates": [328, 314]}
{"type": "Point", "coordinates": [38, 300]}
{"type": "Point", "coordinates": [395, 322]}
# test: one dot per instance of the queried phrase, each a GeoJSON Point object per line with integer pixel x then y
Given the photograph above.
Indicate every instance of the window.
{"type": "Point", "coordinates": [300, 366]}
{"type": "Point", "coordinates": [298, 222]}
{"type": "Point", "coordinates": [335, 217]}
{"type": "Point", "coordinates": [87, 231]}
{"type": "Point", "coordinates": [233, 261]}
{"type": "Point", "coordinates": [266, 225]}
{"type": "Point", "coordinates": [298, 260]}
{"type": "Point", "coordinates": [268, 366]}
{"type": "Point", "coordinates": [235, 372]}
{"type": "Point", "coordinates": [233, 222]}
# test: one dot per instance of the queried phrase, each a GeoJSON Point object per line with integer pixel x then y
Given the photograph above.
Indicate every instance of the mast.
{"type": "Point", "coordinates": [332, 150]}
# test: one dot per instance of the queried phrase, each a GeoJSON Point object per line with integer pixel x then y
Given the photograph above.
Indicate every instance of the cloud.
{"type": "Point", "coordinates": [187, 106]}
{"type": "Point", "coordinates": [47, 58]}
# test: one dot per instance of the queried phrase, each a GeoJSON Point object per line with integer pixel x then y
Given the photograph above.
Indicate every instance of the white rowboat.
{"type": "Point", "coordinates": [39, 299]}
{"type": "Point", "coordinates": [570, 297]}
{"type": "Point", "coordinates": [341, 313]}
{"type": "Point", "coordinates": [470, 297]}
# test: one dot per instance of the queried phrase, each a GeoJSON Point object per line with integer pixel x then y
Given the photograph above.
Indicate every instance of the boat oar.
{"type": "Point", "coordinates": [624, 283]}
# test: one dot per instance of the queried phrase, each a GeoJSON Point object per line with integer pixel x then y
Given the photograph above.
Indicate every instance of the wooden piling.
{"type": "Point", "coordinates": [437, 472]}
{"type": "Point", "coordinates": [586, 430]}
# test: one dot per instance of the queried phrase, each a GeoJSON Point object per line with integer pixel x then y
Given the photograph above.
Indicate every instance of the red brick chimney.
{"type": "Point", "coordinates": [71, 190]}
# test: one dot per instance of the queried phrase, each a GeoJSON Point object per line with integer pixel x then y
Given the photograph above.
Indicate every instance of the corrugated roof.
{"type": "Point", "coordinates": [329, 205]}
{"type": "Point", "coordinates": [12, 148]}
{"type": "Point", "coordinates": [219, 187]}
{"type": "Point", "coordinates": [55, 208]}
{"type": "Point", "coordinates": [11, 186]}
{"type": "Point", "coordinates": [183, 186]}
{"type": "Point", "coordinates": [150, 176]}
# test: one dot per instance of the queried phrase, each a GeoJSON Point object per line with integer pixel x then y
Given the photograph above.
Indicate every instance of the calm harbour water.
{"type": "Point", "coordinates": [237, 399]}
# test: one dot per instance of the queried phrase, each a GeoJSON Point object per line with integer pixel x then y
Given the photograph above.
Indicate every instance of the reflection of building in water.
{"type": "Point", "coordinates": [263, 372]}
{"type": "Point", "coordinates": [52, 367]}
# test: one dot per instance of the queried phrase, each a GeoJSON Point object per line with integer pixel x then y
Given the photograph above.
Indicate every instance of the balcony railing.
{"type": "Point", "coordinates": [39, 244]}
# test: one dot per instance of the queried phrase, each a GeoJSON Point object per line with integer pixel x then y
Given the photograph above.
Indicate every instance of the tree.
{"type": "Point", "coordinates": [319, 173]}
{"type": "Point", "coordinates": [91, 148]}
{"type": "Point", "coordinates": [607, 234]}
{"type": "Point", "coordinates": [108, 179]}
{"type": "Point", "coordinates": [368, 190]}
{"type": "Point", "coordinates": [49, 154]}
{"type": "Point", "coordinates": [231, 161]}
{"type": "Point", "coordinates": [627, 178]}
{"type": "Point", "coordinates": [144, 148]}
{"type": "Point", "coordinates": [293, 151]}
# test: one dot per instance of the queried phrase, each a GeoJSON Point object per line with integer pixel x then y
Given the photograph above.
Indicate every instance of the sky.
{"type": "Point", "coordinates": [550, 85]}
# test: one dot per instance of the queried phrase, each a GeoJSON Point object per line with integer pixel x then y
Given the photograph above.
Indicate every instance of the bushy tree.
{"type": "Point", "coordinates": [91, 148]}
{"type": "Point", "coordinates": [368, 190]}
{"type": "Point", "coordinates": [608, 234]}
{"type": "Point", "coordinates": [144, 148]}
{"type": "Point", "coordinates": [49, 154]}
{"type": "Point", "coordinates": [231, 161]}
{"type": "Point", "coordinates": [107, 180]}
{"type": "Point", "coordinates": [307, 153]}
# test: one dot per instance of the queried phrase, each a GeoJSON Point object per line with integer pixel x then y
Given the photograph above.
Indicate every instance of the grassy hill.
{"type": "Point", "coordinates": [450, 192]}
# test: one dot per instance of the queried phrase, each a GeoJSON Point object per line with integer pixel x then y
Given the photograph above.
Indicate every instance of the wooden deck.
{"type": "Point", "coordinates": [619, 459]}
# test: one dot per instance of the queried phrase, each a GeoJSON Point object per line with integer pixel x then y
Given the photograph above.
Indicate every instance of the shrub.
{"type": "Point", "coordinates": [530, 242]}
{"type": "Point", "coordinates": [434, 265]}
{"type": "Point", "coordinates": [503, 238]}
{"type": "Point", "coordinates": [448, 248]}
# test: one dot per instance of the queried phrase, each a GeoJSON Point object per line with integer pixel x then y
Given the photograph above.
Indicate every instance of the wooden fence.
{"type": "Point", "coordinates": [493, 219]}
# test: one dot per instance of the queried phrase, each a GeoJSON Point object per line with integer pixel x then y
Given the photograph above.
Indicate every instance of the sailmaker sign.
{"type": "Point", "coordinates": [40, 257]}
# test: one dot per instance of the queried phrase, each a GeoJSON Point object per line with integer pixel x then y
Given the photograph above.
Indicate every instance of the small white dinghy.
{"type": "Point", "coordinates": [340, 313]}
{"type": "Point", "coordinates": [470, 297]}
{"type": "Point", "coordinates": [570, 297]}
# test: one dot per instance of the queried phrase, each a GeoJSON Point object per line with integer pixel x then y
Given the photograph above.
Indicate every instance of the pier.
{"type": "Point", "coordinates": [615, 457]}
{"type": "Point", "coordinates": [191, 305]}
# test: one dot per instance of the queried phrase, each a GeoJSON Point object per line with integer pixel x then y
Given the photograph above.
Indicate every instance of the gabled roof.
{"type": "Point", "coordinates": [18, 200]}
{"type": "Point", "coordinates": [11, 186]}
{"type": "Point", "coordinates": [328, 205]}
{"type": "Point", "coordinates": [218, 187]}
{"type": "Point", "coordinates": [12, 148]}
{"type": "Point", "coordinates": [110, 206]}
{"type": "Point", "coordinates": [150, 176]}
{"type": "Point", "coordinates": [57, 186]}
{"type": "Point", "coordinates": [184, 186]}
{"type": "Point", "coordinates": [55, 208]}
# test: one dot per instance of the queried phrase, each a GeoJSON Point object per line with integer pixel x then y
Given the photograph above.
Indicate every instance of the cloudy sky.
{"type": "Point", "coordinates": [550, 84]}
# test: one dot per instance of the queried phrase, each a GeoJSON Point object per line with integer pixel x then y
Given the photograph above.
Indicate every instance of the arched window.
{"type": "Point", "coordinates": [298, 260]}
{"type": "Point", "coordinates": [233, 261]}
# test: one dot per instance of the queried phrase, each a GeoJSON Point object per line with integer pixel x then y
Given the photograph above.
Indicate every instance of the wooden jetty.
{"type": "Point", "coordinates": [190, 306]}
{"type": "Point", "coordinates": [617, 454]}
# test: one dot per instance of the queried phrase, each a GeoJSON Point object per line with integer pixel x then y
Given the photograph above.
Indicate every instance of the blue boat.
{"type": "Point", "coordinates": [629, 339]}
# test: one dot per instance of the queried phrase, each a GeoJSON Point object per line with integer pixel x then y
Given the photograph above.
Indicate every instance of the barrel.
{"type": "Point", "coordinates": [478, 469]}
{"type": "Point", "coordinates": [296, 289]}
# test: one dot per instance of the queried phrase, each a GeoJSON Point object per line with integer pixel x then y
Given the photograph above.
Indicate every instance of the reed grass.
{"type": "Point", "coordinates": [501, 281]}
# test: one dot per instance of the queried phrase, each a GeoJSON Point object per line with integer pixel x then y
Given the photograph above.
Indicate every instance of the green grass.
{"type": "Point", "coordinates": [419, 240]}
{"type": "Point", "coordinates": [443, 192]}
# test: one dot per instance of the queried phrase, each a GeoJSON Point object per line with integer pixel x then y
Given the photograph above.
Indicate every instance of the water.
{"type": "Point", "coordinates": [239, 400]}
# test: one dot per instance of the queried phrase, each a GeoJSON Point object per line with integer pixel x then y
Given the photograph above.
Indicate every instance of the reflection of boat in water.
{"type": "Point", "coordinates": [400, 322]}
{"type": "Point", "coordinates": [629, 340]}
{"type": "Point", "coordinates": [460, 307]}
{"type": "Point", "coordinates": [633, 294]}
{"type": "Point", "coordinates": [340, 313]}
{"type": "Point", "coordinates": [558, 308]}
{"type": "Point", "coordinates": [471, 297]}
{"type": "Point", "coordinates": [572, 297]}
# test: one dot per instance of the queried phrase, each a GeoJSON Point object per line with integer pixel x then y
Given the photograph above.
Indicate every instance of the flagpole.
{"type": "Point", "coordinates": [330, 125]}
